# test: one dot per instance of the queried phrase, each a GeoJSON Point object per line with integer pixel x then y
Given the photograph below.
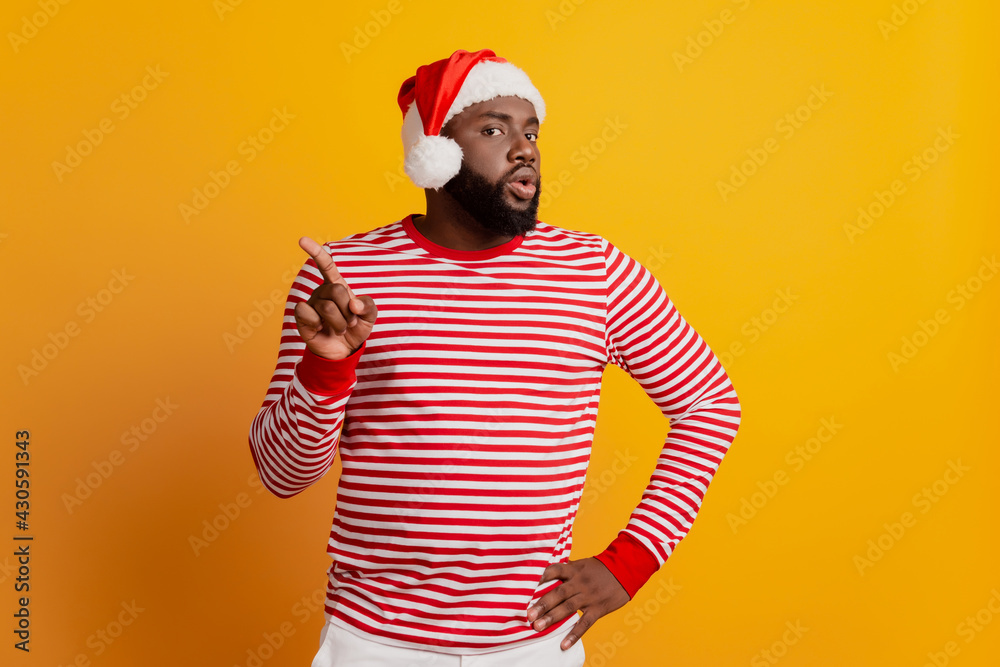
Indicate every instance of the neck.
{"type": "Point", "coordinates": [451, 226]}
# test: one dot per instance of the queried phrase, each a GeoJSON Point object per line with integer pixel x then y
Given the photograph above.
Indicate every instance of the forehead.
{"type": "Point", "coordinates": [520, 110]}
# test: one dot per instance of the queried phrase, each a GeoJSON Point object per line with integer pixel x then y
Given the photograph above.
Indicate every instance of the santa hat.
{"type": "Point", "coordinates": [439, 91]}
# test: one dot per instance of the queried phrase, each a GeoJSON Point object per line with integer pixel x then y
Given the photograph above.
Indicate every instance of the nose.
{"type": "Point", "coordinates": [524, 150]}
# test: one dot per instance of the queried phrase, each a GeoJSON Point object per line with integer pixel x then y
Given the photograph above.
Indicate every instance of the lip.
{"type": "Point", "coordinates": [523, 191]}
{"type": "Point", "coordinates": [523, 183]}
{"type": "Point", "coordinates": [526, 174]}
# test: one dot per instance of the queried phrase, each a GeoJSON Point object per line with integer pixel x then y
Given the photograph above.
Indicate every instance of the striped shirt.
{"type": "Point", "coordinates": [465, 422]}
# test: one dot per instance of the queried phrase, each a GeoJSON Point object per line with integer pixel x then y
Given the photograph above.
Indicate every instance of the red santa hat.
{"type": "Point", "coordinates": [442, 89]}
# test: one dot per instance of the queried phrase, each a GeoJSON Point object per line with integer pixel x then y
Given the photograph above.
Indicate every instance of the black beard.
{"type": "Point", "coordinates": [485, 202]}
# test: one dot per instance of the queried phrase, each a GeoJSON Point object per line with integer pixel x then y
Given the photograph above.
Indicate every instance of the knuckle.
{"type": "Point", "coordinates": [329, 311]}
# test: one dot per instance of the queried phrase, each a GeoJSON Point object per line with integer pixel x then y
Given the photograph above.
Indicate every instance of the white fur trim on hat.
{"type": "Point", "coordinates": [489, 79]}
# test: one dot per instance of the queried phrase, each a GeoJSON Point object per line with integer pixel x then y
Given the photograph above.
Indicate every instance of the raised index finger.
{"type": "Point", "coordinates": [324, 263]}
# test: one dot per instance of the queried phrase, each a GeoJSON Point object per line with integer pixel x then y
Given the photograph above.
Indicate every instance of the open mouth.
{"type": "Point", "coordinates": [522, 189]}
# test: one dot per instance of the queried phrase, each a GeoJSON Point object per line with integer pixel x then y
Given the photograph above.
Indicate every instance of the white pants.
{"type": "Point", "coordinates": [341, 648]}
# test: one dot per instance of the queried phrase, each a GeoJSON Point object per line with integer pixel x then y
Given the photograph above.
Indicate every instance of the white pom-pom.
{"type": "Point", "coordinates": [433, 161]}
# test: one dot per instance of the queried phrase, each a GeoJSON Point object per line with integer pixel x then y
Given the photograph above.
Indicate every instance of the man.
{"type": "Point", "coordinates": [455, 360]}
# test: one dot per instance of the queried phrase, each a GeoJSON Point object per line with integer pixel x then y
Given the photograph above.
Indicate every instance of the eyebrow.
{"type": "Point", "coordinates": [505, 117]}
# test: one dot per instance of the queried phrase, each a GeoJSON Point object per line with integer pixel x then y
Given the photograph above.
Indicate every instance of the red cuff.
{"type": "Point", "coordinates": [630, 562]}
{"type": "Point", "coordinates": [328, 377]}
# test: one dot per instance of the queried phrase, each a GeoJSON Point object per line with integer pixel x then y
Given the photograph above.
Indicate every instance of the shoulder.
{"type": "Point", "coordinates": [353, 250]}
{"type": "Point", "coordinates": [384, 237]}
{"type": "Point", "coordinates": [554, 236]}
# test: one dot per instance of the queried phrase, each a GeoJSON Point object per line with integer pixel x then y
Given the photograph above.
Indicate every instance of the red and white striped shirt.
{"type": "Point", "coordinates": [465, 423]}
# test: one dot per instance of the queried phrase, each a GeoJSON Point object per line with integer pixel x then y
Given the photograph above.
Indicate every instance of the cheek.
{"type": "Point", "coordinates": [490, 164]}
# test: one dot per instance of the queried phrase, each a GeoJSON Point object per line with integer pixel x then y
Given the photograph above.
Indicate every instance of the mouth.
{"type": "Point", "coordinates": [523, 185]}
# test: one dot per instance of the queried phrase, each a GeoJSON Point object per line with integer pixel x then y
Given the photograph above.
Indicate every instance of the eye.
{"type": "Point", "coordinates": [532, 134]}
{"type": "Point", "coordinates": [492, 129]}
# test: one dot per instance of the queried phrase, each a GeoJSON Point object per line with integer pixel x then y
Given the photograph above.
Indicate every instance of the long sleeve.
{"type": "Point", "coordinates": [649, 339]}
{"type": "Point", "coordinates": [294, 436]}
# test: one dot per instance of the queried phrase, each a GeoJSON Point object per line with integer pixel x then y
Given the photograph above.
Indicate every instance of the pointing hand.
{"type": "Point", "coordinates": [334, 322]}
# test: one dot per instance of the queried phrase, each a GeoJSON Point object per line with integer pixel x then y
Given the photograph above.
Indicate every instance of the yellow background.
{"type": "Point", "coordinates": [652, 189]}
